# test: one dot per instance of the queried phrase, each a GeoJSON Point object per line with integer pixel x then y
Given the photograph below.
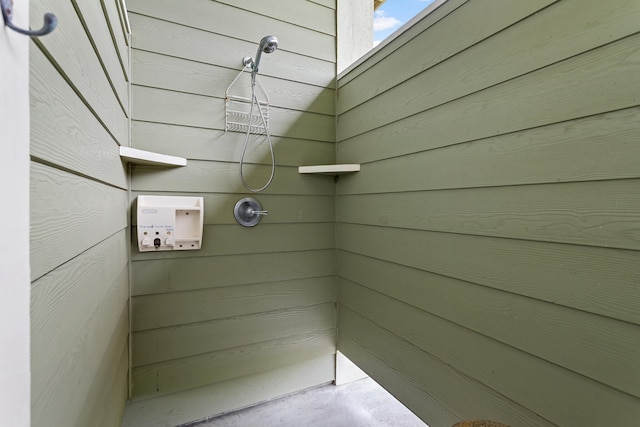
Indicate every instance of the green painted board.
{"type": "Point", "coordinates": [72, 209]}
{"type": "Point", "coordinates": [190, 43]}
{"type": "Point", "coordinates": [95, 23]}
{"type": "Point", "coordinates": [213, 399]}
{"type": "Point", "coordinates": [283, 209]}
{"type": "Point", "coordinates": [513, 51]}
{"type": "Point", "coordinates": [304, 13]}
{"type": "Point", "coordinates": [394, 44]}
{"type": "Point", "coordinates": [586, 149]}
{"type": "Point", "coordinates": [548, 331]}
{"type": "Point", "coordinates": [184, 109]}
{"type": "Point", "coordinates": [220, 18]}
{"type": "Point", "coordinates": [182, 274]}
{"type": "Point", "coordinates": [559, 395]}
{"type": "Point", "coordinates": [601, 213]}
{"type": "Point", "coordinates": [105, 401]}
{"type": "Point", "coordinates": [433, 389]}
{"type": "Point", "coordinates": [118, 34]}
{"type": "Point", "coordinates": [222, 177]}
{"type": "Point", "coordinates": [264, 239]}
{"type": "Point", "coordinates": [79, 313]}
{"type": "Point", "coordinates": [158, 345]}
{"type": "Point", "coordinates": [65, 132]}
{"type": "Point", "coordinates": [439, 40]}
{"type": "Point", "coordinates": [596, 280]}
{"type": "Point", "coordinates": [186, 373]}
{"type": "Point", "coordinates": [210, 144]}
{"type": "Point", "coordinates": [181, 75]}
{"type": "Point", "coordinates": [581, 86]}
{"type": "Point", "coordinates": [80, 65]}
{"type": "Point", "coordinates": [181, 308]}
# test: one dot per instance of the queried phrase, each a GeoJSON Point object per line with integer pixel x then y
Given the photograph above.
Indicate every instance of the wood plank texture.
{"type": "Point", "coordinates": [95, 24]}
{"type": "Point", "coordinates": [326, 3]}
{"type": "Point", "coordinates": [79, 260]}
{"type": "Point", "coordinates": [118, 34]}
{"type": "Point", "coordinates": [395, 45]}
{"type": "Point", "coordinates": [210, 144]}
{"type": "Point", "coordinates": [579, 401]}
{"type": "Point", "coordinates": [550, 332]}
{"type": "Point", "coordinates": [496, 59]}
{"type": "Point", "coordinates": [180, 108]}
{"type": "Point", "coordinates": [605, 213]}
{"type": "Point", "coordinates": [570, 86]}
{"type": "Point", "coordinates": [434, 390]}
{"type": "Point", "coordinates": [594, 148]}
{"type": "Point", "coordinates": [181, 75]}
{"type": "Point", "coordinates": [76, 310]}
{"type": "Point", "coordinates": [182, 374]}
{"type": "Point", "coordinates": [69, 214]}
{"type": "Point", "coordinates": [197, 45]}
{"type": "Point", "coordinates": [264, 239]}
{"type": "Point", "coordinates": [306, 14]}
{"type": "Point", "coordinates": [104, 403]}
{"type": "Point", "coordinates": [480, 22]}
{"type": "Point", "coordinates": [198, 14]}
{"type": "Point", "coordinates": [159, 345]}
{"type": "Point", "coordinates": [182, 274]}
{"type": "Point", "coordinates": [164, 310]}
{"type": "Point", "coordinates": [597, 280]}
{"type": "Point", "coordinates": [218, 177]}
{"type": "Point", "coordinates": [64, 132]}
{"type": "Point", "coordinates": [282, 209]}
{"type": "Point", "coordinates": [251, 301]}
{"type": "Point", "coordinates": [488, 249]}
{"type": "Point", "coordinates": [203, 402]}
{"type": "Point", "coordinates": [80, 65]}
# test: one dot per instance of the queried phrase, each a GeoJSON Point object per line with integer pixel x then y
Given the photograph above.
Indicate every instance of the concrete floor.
{"type": "Point", "coordinates": [361, 403]}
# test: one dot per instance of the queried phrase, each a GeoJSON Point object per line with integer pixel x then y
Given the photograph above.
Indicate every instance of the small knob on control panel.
{"type": "Point", "coordinates": [146, 241]}
{"type": "Point", "coordinates": [169, 242]}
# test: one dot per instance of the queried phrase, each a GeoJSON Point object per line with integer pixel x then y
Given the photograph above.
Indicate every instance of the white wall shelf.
{"type": "Point", "coordinates": [330, 169]}
{"type": "Point", "coordinates": [133, 155]}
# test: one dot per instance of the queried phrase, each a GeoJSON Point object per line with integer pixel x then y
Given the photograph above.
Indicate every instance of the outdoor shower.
{"type": "Point", "coordinates": [240, 121]}
{"type": "Point", "coordinates": [268, 44]}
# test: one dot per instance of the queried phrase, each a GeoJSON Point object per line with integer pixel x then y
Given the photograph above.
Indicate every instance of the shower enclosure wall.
{"type": "Point", "coordinates": [252, 315]}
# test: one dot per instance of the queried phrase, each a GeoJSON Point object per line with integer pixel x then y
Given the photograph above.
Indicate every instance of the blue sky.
{"type": "Point", "coordinates": [393, 14]}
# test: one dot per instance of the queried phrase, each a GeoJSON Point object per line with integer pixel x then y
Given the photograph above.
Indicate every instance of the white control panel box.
{"type": "Point", "coordinates": [169, 223]}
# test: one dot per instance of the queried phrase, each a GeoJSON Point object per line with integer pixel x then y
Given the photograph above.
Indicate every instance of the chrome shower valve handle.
{"type": "Point", "coordinates": [248, 212]}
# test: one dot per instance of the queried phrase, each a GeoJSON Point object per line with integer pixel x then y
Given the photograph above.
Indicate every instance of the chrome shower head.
{"type": "Point", "coordinates": [268, 44]}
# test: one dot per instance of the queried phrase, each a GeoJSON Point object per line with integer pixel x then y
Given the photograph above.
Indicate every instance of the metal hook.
{"type": "Point", "coordinates": [50, 21]}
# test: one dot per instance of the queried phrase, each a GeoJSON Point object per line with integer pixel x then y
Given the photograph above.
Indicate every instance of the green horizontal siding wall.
{"type": "Point", "coordinates": [79, 242]}
{"type": "Point", "coordinates": [488, 262]}
{"type": "Point", "coordinates": [251, 314]}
